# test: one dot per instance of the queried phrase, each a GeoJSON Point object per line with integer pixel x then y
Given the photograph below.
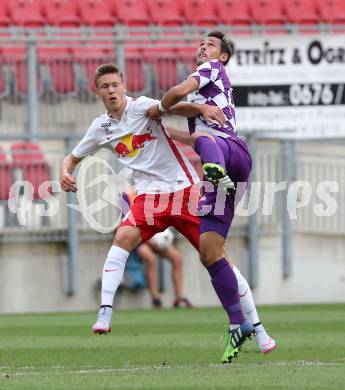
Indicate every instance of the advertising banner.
{"type": "Point", "coordinates": [290, 83]}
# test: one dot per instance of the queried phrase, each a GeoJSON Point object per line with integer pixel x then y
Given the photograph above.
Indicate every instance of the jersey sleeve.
{"type": "Point", "coordinates": [206, 73]}
{"type": "Point", "coordinates": [142, 104]}
{"type": "Point", "coordinates": [88, 144]}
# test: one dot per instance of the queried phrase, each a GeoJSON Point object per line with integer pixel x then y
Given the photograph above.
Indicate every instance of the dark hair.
{"type": "Point", "coordinates": [227, 45]}
{"type": "Point", "coordinates": [106, 69]}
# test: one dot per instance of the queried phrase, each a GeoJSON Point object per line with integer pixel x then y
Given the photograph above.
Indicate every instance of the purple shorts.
{"type": "Point", "coordinates": [221, 208]}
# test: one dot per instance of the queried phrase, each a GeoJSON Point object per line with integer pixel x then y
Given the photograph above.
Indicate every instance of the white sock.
{"type": "Point", "coordinates": [113, 270]}
{"type": "Point", "coordinates": [246, 298]}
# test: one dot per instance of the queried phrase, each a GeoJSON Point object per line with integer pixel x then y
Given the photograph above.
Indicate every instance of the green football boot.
{"type": "Point", "coordinates": [235, 338]}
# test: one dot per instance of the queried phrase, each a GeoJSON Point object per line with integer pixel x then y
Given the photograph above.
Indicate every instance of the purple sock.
{"type": "Point", "coordinates": [209, 151]}
{"type": "Point", "coordinates": [225, 285]}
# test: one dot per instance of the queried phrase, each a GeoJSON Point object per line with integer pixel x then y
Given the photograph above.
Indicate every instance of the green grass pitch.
{"type": "Point", "coordinates": [171, 349]}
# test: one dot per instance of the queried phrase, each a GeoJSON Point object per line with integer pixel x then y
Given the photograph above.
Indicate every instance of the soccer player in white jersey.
{"type": "Point", "coordinates": [226, 160]}
{"type": "Point", "coordinates": [144, 146]}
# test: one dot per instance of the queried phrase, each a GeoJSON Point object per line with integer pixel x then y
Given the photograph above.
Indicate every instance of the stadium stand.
{"type": "Point", "coordinates": [29, 159]}
{"type": "Point", "coordinates": [108, 13]}
{"type": "Point", "coordinates": [151, 65]}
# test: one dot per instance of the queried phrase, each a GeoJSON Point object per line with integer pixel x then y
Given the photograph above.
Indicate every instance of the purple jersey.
{"type": "Point", "coordinates": [215, 90]}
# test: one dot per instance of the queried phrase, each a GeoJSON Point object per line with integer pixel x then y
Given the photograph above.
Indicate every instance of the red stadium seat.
{"type": "Point", "coordinates": [14, 58]}
{"type": "Point", "coordinates": [164, 64]}
{"type": "Point", "coordinates": [12, 54]}
{"type": "Point", "coordinates": [234, 12]}
{"type": "Point", "coordinates": [26, 13]}
{"type": "Point", "coordinates": [88, 59]}
{"type": "Point", "coordinates": [4, 16]}
{"type": "Point", "coordinates": [4, 83]}
{"type": "Point", "coordinates": [138, 76]}
{"type": "Point", "coordinates": [132, 12]}
{"type": "Point", "coordinates": [6, 178]}
{"type": "Point", "coordinates": [186, 61]}
{"type": "Point", "coordinates": [61, 13]}
{"type": "Point", "coordinates": [21, 79]}
{"type": "Point", "coordinates": [165, 12]}
{"type": "Point", "coordinates": [96, 13]}
{"type": "Point", "coordinates": [199, 12]}
{"type": "Point", "coordinates": [267, 12]}
{"type": "Point", "coordinates": [332, 11]}
{"type": "Point", "coordinates": [28, 157]}
{"type": "Point", "coordinates": [58, 70]}
{"type": "Point", "coordinates": [301, 11]}
{"type": "Point", "coordinates": [134, 75]}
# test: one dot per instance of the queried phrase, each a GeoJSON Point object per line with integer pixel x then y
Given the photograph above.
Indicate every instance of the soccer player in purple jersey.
{"type": "Point", "coordinates": [226, 163]}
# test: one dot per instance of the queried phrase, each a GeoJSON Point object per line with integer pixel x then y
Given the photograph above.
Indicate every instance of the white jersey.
{"type": "Point", "coordinates": [142, 145]}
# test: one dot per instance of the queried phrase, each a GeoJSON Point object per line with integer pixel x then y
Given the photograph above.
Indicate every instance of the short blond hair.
{"type": "Point", "coordinates": [106, 69]}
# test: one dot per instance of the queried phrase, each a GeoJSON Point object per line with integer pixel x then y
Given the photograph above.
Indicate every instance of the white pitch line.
{"type": "Point", "coordinates": [90, 370]}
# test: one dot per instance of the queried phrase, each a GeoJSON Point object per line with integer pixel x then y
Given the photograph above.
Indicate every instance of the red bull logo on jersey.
{"type": "Point", "coordinates": [130, 144]}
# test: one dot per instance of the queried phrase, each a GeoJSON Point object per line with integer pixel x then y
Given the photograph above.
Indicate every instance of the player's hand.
{"type": "Point", "coordinates": [213, 114]}
{"type": "Point", "coordinates": [154, 112]}
{"type": "Point", "coordinates": [68, 182]}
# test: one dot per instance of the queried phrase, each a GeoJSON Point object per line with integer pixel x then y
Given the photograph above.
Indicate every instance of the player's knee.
{"type": "Point", "coordinates": [198, 134]}
{"type": "Point", "coordinates": [125, 240]}
{"type": "Point", "coordinates": [209, 255]}
{"type": "Point", "coordinates": [206, 257]}
{"type": "Point", "coordinates": [194, 137]}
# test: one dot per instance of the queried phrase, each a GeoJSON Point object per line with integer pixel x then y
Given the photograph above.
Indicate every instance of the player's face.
{"type": "Point", "coordinates": [111, 89]}
{"type": "Point", "coordinates": [210, 49]}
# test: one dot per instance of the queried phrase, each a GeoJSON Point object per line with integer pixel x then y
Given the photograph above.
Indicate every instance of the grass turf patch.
{"type": "Point", "coordinates": [171, 349]}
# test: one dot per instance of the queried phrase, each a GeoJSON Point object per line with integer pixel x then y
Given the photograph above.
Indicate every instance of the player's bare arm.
{"type": "Point", "coordinates": [173, 96]}
{"type": "Point", "coordinates": [189, 110]}
{"type": "Point", "coordinates": [67, 180]}
{"type": "Point", "coordinates": [180, 136]}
